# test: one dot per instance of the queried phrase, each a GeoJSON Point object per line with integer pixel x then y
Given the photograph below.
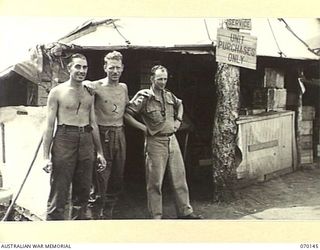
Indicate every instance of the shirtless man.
{"type": "Point", "coordinates": [72, 148]}
{"type": "Point", "coordinates": [111, 98]}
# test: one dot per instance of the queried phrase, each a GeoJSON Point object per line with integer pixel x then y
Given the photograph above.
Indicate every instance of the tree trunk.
{"type": "Point", "coordinates": [227, 81]}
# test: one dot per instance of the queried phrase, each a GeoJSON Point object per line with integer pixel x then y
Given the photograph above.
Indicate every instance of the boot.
{"type": "Point", "coordinates": [79, 213]}
{"type": "Point", "coordinates": [108, 211]}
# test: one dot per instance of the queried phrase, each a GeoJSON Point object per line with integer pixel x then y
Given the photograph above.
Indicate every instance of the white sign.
{"type": "Point", "coordinates": [236, 48]}
{"type": "Point", "coordinates": [239, 24]}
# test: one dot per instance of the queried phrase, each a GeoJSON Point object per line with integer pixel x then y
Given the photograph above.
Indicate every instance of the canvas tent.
{"type": "Point", "coordinates": [187, 35]}
{"type": "Point", "coordinates": [181, 32]}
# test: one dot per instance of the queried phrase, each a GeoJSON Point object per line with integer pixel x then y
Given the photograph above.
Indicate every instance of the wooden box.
{"type": "Point", "coordinates": [273, 78]}
{"type": "Point", "coordinates": [308, 113]}
{"type": "Point", "coordinates": [306, 142]}
{"type": "Point", "coordinates": [305, 127]}
{"type": "Point", "coordinates": [270, 99]}
{"type": "Point", "coordinates": [266, 144]}
{"type": "Point", "coordinates": [145, 67]}
{"type": "Point", "coordinates": [306, 156]}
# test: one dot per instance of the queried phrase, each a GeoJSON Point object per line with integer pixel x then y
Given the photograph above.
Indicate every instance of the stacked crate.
{"type": "Point", "coordinates": [145, 67]}
{"type": "Point", "coordinates": [272, 95]}
{"type": "Point", "coordinates": [306, 135]}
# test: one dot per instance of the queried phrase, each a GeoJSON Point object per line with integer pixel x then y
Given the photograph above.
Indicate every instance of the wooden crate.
{"type": "Point", "coordinates": [270, 99]}
{"type": "Point", "coordinates": [273, 78]}
{"type": "Point", "coordinates": [145, 67]}
{"type": "Point", "coordinates": [306, 127]}
{"type": "Point", "coordinates": [266, 144]}
{"type": "Point", "coordinates": [306, 156]}
{"type": "Point", "coordinates": [308, 113]}
{"type": "Point", "coordinates": [306, 142]}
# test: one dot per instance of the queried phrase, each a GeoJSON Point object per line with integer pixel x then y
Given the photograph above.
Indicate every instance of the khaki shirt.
{"type": "Point", "coordinates": [157, 115]}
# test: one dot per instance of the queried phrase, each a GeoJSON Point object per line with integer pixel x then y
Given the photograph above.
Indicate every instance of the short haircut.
{"type": "Point", "coordinates": [114, 55]}
{"type": "Point", "coordinates": [77, 55]}
{"type": "Point", "coordinates": [156, 67]}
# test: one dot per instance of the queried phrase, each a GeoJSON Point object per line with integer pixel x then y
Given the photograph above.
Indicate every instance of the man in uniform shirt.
{"type": "Point", "coordinates": [161, 112]}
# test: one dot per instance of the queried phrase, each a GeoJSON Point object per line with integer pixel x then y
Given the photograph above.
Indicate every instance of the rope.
{"type": "Point", "coordinates": [207, 30]}
{"type": "Point", "coordinates": [126, 40]}
{"type": "Point", "coordinates": [275, 39]}
{"type": "Point", "coordinates": [293, 33]}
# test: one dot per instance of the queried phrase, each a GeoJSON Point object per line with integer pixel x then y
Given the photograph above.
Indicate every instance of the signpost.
{"type": "Point", "coordinates": [233, 50]}
{"type": "Point", "coordinates": [244, 24]}
{"type": "Point", "coordinates": [236, 48]}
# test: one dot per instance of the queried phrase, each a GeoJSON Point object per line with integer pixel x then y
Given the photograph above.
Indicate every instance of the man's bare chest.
{"type": "Point", "coordinates": [111, 96]}
{"type": "Point", "coordinates": [75, 100]}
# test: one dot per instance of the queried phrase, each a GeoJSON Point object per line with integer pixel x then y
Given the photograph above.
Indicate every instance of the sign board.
{"type": "Point", "coordinates": [236, 48]}
{"type": "Point", "coordinates": [244, 24]}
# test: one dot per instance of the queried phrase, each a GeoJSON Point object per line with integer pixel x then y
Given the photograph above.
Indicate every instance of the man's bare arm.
{"type": "Point", "coordinates": [134, 123]}
{"type": "Point", "coordinates": [178, 118]}
{"type": "Point", "coordinates": [52, 109]}
{"type": "Point", "coordinates": [96, 136]}
{"type": "Point", "coordinates": [90, 86]}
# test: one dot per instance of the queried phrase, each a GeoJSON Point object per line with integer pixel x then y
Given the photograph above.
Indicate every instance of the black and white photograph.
{"type": "Point", "coordinates": [145, 118]}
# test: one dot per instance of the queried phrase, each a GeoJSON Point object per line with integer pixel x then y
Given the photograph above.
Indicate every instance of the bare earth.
{"type": "Point", "coordinates": [294, 196]}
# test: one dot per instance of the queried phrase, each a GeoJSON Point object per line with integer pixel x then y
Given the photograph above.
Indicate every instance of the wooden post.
{"type": "Point", "coordinates": [224, 135]}
{"type": "Point", "coordinates": [301, 82]}
{"type": "Point", "coordinates": [3, 145]}
{"type": "Point", "coordinates": [298, 131]}
{"type": "Point", "coordinates": [227, 81]}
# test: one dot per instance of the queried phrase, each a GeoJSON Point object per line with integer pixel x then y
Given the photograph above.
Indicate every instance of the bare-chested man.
{"type": "Point", "coordinates": [111, 98]}
{"type": "Point", "coordinates": [72, 148]}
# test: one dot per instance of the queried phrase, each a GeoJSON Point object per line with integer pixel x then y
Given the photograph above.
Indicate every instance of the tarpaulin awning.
{"type": "Point", "coordinates": [274, 39]}
{"type": "Point", "coordinates": [184, 35]}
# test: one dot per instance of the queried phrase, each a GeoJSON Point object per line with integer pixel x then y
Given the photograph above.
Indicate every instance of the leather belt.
{"type": "Point", "coordinates": [73, 128]}
{"type": "Point", "coordinates": [110, 127]}
{"type": "Point", "coordinates": [164, 134]}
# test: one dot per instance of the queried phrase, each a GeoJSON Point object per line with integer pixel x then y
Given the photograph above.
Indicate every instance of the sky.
{"type": "Point", "coordinates": [18, 34]}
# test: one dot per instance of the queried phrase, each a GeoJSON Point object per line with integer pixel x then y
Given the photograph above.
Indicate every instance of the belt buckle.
{"type": "Point", "coordinates": [81, 129]}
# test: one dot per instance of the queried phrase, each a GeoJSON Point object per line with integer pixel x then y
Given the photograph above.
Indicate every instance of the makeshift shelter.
{"type": "Point", "coordinates": [185, 46]}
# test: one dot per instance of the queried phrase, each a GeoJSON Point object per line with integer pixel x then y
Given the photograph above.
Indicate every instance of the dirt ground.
{"type": "Point", "coordinates": [291, 196]}
{"type": "Point", "coordinates": [293, 190]}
